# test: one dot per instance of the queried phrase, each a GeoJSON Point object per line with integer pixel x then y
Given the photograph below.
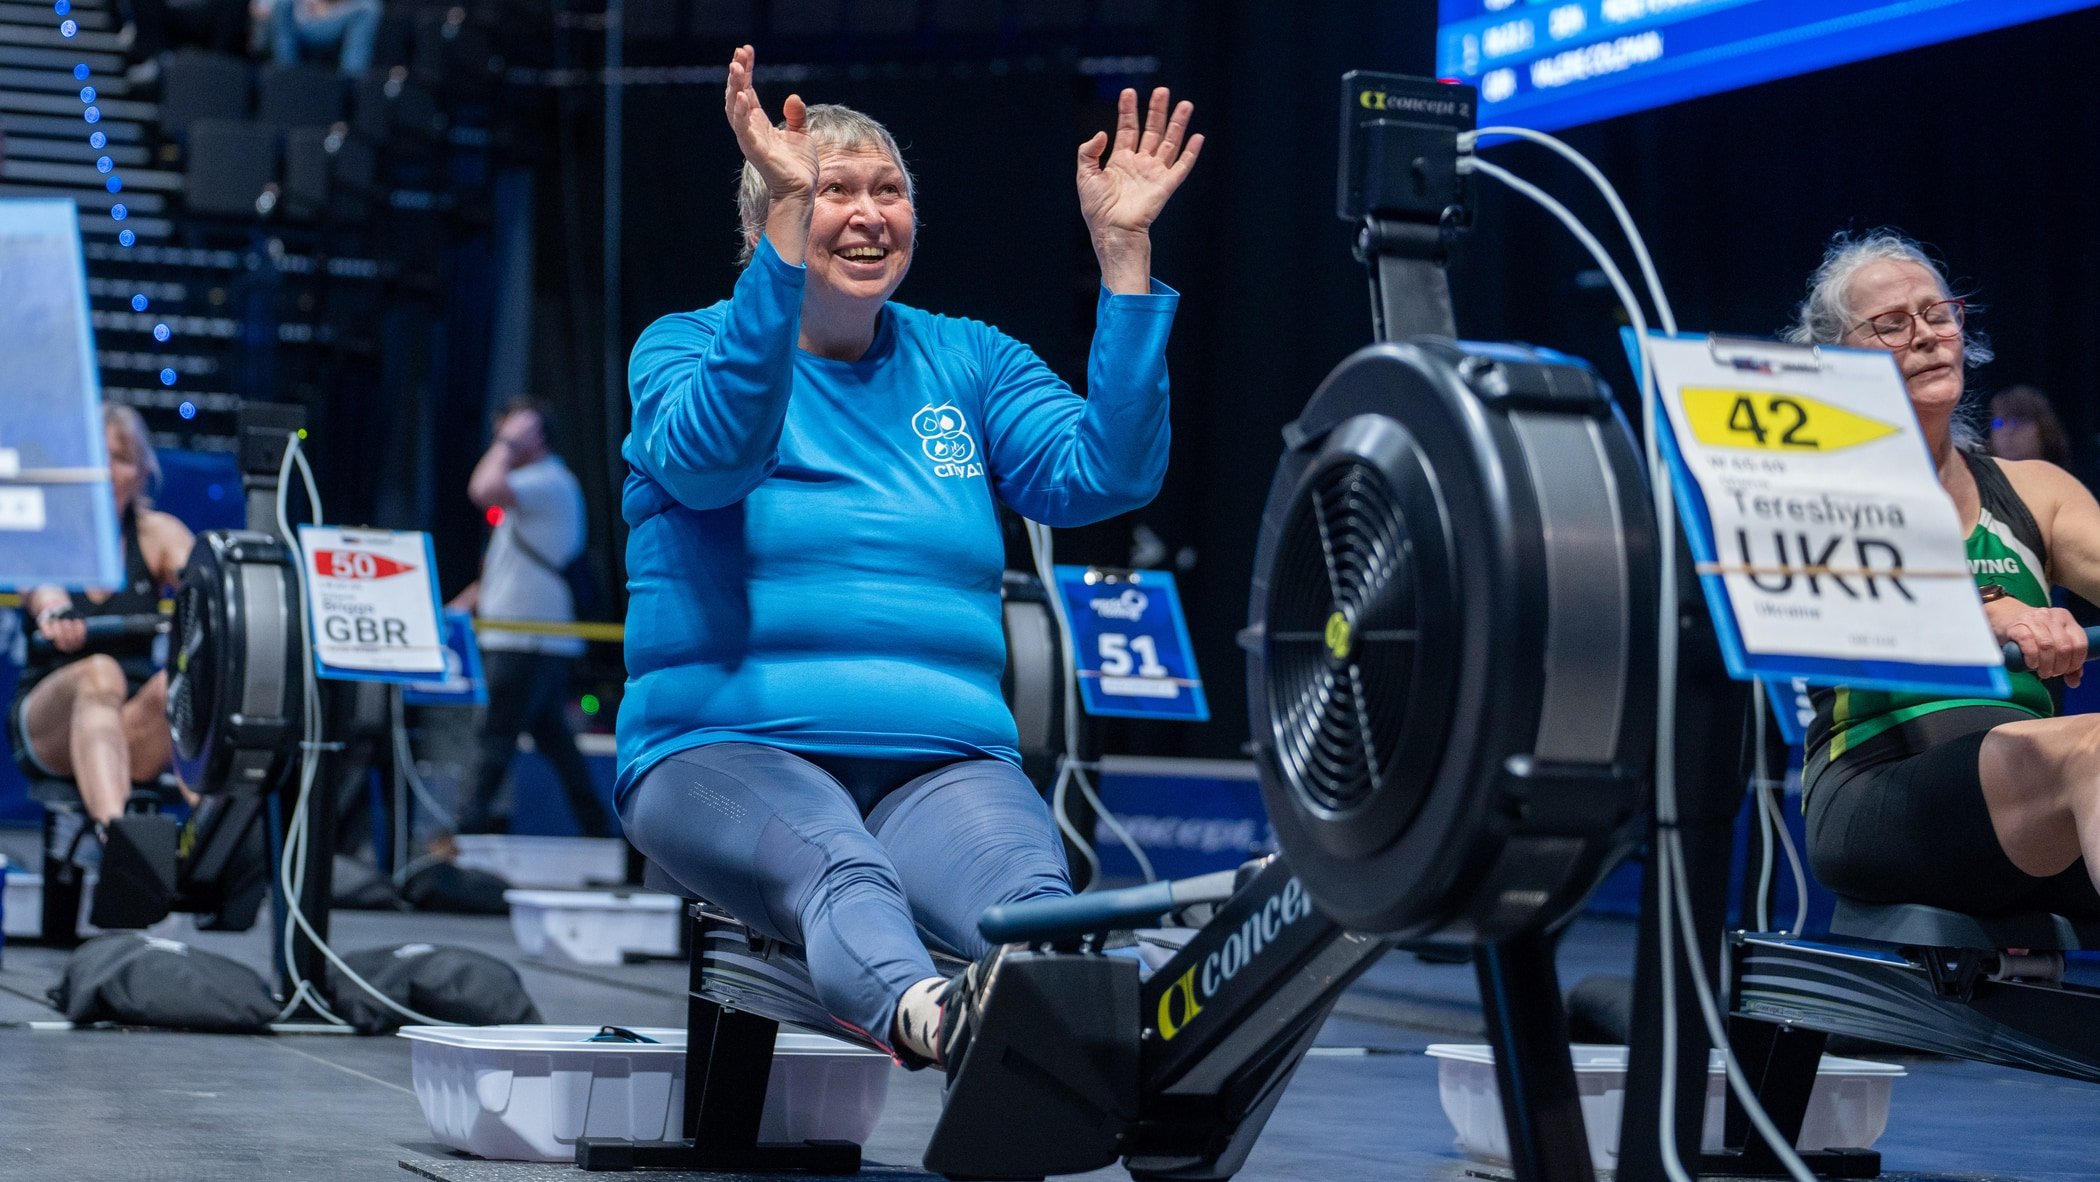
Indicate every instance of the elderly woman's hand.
{"type": "Point", "coordinates": [786, 158]}
{"type": "Point", "coordinates": [1125, 183]}
{"type": "Point", "coordinates": [2049, 637]}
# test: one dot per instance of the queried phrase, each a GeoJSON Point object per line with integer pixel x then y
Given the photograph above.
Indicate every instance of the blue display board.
{"type": "Point", "coordinates": [1545, 64]}
{"type": "Point", "coordinates": [1191, 816]}
{"type": "Point", "coordinates": [1131, 645]}
{"type": "Point", "coordinates": [463, 684]}
{"type": "Point", "coordinates": [58, 518]}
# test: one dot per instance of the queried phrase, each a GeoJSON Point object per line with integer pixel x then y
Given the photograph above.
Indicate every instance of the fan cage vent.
{"type": "Point", "coordinates": [1342, 637]}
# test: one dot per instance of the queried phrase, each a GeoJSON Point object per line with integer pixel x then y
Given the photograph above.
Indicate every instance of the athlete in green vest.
{"type": "Point", "coordinates": [1972, 804]}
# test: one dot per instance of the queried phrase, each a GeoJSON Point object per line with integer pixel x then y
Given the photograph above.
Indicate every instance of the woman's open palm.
{"type": "Point", "coordinates": [785, 157]}
{"type": "Point", "coordinates": [1124, 183]}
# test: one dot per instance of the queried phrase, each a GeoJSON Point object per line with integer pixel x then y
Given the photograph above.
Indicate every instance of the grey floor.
{"type": "Point", "coordinates": [133, 1105]}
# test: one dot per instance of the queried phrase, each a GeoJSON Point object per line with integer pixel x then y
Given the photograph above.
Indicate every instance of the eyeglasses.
{"type": "Point", "coordinates": [1898, 328]}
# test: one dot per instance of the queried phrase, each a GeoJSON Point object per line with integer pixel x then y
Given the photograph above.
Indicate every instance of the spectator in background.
{"type": "Point", "coordinates": [157, 26]}
{"type": "Point", "coordinates": [2024, 427]}
{"type": "Point", "coordinates": [301, 29]}
{"type": "Point", "coordinates": [538, 509]}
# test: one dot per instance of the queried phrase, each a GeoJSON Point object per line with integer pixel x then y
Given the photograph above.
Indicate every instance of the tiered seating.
{"type": "Point", "coordinates": [265, 214]}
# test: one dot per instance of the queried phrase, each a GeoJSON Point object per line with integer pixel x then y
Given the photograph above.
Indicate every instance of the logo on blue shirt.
{"type": "Point", "coordinates": [944, 435]}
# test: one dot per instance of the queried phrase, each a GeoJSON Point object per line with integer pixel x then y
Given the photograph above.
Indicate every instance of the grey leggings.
{"type": "Point", "coordinates": [781, 843]}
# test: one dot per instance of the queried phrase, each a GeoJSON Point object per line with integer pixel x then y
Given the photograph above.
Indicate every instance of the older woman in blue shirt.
{"type": "Point", "coordinates": [813, 734]}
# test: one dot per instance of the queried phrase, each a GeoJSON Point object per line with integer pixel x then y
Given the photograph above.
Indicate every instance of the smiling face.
{"type": "Point", "coordinates": [1931, 364]}
{"type": "Point", "coordinates": [860, 231]}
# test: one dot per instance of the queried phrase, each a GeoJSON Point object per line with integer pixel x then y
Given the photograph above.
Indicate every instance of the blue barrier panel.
{"type": "Point", "coordinates": [1191, 816]}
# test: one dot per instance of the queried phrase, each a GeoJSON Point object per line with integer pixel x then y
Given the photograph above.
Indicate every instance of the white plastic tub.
{"type": "Point", "coordinates": [526, 1093]}
{"type": "Point", "coordinates": [559, 863]}
{"type": "Point", "coordinates": [23, 905]}
{"type": "Point", "coordinates": [594, 927]}
{"type": "Point", "coordinates": [1848, 1109]}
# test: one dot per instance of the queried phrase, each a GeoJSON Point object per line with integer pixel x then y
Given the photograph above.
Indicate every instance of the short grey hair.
{"type": "Point", "coordinates": [126, 422]}
{"type": "Point", "coordinates": [1826, 314]}
{"type": "Point", "coordinates": [832, 126]}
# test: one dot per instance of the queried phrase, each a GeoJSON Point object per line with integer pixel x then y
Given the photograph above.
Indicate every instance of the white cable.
{"type": "Point", "coordinates": [1039, 549]}
{"type": "Point", "coordinates": [1666, 655]}
{"type": "Point", "coordinates": [294, 849]}
{"type": "Point", "coordinates": [1060, 811]}
{"type": "Point", "coordinates": [291, 867]}
{"type": "Point", "coordinates": [1793, 864]}
{"type": "Point", "coordinates": [1666, 953]}
{"type": "Point", "coordinates": [1737, 1082]}
{"type": "Point", "coordinates": [1759, 780]}
{"type": "Point", "coordinates": [405, 772]}
{"type": "Point", "coordinates": [405, 754]}
{"type": "Point", "coordinates": [1039, 546]}
{"type": "Point", "coordinates": [1772, 824]}
{"type": "Point", "coordinates": [1675, 895]}
{"type": "Point", "coordinates": [1611, 197]}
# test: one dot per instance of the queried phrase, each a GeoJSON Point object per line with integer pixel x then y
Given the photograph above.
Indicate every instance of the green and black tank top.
{"type": "Point", "coordinates": [2005, 548]}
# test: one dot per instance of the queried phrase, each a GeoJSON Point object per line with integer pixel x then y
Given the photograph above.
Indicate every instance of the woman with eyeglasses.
{"type": "Point", "coordinates": [1973, 804]}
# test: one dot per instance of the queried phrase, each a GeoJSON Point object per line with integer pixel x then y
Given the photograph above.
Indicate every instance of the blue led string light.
{"type": "Point", "coordinates": [113, 183]}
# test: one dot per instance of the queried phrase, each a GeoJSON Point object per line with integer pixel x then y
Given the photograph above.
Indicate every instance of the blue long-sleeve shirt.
{"type": "Point", "coordinates": [814, 554]}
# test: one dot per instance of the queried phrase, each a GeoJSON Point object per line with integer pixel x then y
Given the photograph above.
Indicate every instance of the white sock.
{"type": "Point", "coordinates": [918, 1025]}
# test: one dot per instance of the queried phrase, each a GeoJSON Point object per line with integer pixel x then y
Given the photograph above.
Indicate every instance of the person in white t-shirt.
{"type": "Point", "coordinates": [539, 532]}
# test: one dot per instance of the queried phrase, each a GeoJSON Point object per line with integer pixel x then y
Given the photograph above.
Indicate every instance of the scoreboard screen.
{"type": "Point", "coordinates": [1546, 64]}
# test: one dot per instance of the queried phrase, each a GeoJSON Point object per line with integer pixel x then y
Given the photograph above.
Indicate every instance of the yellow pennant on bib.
{"type": "Point", "coordinates": [1763, 420]}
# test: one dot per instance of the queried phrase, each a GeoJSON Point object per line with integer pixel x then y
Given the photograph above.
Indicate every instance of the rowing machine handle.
{"type": "Point", "coordinates": [1151, 904]}
{"type": "Point", "coordinates": [105, 628]}
{"type": "Point", "coordinates": [2017, 662]}
{"type": "Point", "coordinates": [1071, 916]}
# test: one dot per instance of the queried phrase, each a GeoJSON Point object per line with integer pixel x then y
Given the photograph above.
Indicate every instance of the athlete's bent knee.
{"type": "Point", "coordinates": [100, 680]}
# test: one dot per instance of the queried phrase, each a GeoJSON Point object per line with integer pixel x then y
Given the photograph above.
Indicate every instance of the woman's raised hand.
{"type": "Point", "coordinates": [786, 158]}
{"type": "Point", "coordinates": [1125, 182]}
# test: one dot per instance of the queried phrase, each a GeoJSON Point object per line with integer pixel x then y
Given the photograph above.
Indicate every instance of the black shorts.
{"type": "Point", "coordinates": [26, 761]}
{"type": "Point", "coordinates": [1901, 819]}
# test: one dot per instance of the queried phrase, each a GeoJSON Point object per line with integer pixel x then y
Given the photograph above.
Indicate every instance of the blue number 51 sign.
{"type": "Point", "coordinates": [1131, 644]}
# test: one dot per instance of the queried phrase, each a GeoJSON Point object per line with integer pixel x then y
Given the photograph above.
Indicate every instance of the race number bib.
{"type": "Point", "coordinates": [1827, 548]}
{"type": "Point", "coordinates": [1131, 644]}
{"type": "Point", "coordinates": [372, 604]}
